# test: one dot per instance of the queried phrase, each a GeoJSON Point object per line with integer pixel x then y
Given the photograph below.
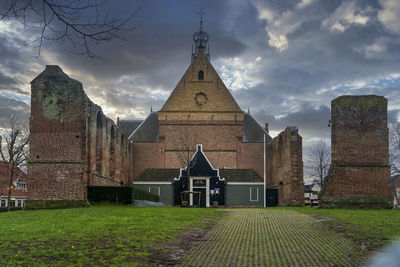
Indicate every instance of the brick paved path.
{"type": "Point", "coordinates": [270, 237]}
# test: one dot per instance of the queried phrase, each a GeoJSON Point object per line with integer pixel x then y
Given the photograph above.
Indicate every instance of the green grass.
{"type": "Point", "coordinates": [373, 227]}
{"type": "Point", "coordinates": [99, 235]}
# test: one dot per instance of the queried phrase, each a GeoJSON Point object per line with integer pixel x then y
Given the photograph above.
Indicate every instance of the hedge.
{"type": "Point", "coordinates": [55, 204]}
{"type": "Point", "coordinates": [357, 201]}
{"type": "Point", "coordinates": [113, 194]}
{"type": "Point", "coordinates": [139, 194]}
{"type": "Point", "coordinates": [119, 194]}
{"type": "Point", "coordinates": [4, 209]}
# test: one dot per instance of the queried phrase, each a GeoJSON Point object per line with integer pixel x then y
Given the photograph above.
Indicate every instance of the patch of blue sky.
{"type": "Point", "coordinates": [18, 97]}
{"type": "Point", "coordinates": [393, 83]}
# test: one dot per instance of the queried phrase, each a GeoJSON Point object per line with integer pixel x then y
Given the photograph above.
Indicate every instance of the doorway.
{"type": "Point", "coordinates": [202, 185]}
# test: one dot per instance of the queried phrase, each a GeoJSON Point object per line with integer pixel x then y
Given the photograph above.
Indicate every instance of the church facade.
{"type": "Point", "coordinates": [199, 141]}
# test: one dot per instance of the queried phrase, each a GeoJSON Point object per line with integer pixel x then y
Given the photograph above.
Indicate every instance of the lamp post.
{"type": "Point", "coordinates": [265, 197]}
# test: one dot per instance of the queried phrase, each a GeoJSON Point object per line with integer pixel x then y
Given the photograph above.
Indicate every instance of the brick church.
{"type": "Point", "coordinates": [200, 140]}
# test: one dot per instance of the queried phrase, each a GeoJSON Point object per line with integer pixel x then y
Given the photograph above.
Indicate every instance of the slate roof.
{"type": "Point", "coordinates": [253, 132]}
{"type": "Point", "coordinates": [230, 175]}
{"type": "Point", "coordinates": [127, 127]}
{"type": "Point", "coordinates": [158, 175]}
{"type": "Point", "coordinates": [307, 188]}
{"type": "Point", "coordinates": [240, 175]}
{"type": "Point", "coordinates": [147, 131]}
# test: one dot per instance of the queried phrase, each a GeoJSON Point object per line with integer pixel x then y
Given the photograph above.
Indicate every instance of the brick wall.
{"type": "Point", "coordinates": [360, 150]}
{"type": "Point", "coordinates": [64, 126]}
{"type": "Point", "coordinates": [285, 167]}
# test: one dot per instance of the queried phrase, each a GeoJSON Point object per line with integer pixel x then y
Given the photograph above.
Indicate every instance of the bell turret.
{"type": "Point", "coordinates": [200, 39]}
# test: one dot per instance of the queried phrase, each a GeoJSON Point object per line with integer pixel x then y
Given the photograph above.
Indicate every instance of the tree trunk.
{"type": "Point", "coordinates": [9, 187]}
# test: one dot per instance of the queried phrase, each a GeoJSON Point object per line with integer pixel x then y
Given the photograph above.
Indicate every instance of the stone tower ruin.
{"type": "Point", "coordinates": [360, 171]}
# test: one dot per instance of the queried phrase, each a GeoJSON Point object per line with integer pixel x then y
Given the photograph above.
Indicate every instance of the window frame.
{"type": "Point", "coordinates": [251, 199]}
{"type": "Point", "coordinates": [158, 188]}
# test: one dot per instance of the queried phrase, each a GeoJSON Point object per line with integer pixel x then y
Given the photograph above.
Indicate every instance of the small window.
{"type": "Point", "coordinates": [253, 193]}
{"type": "Point", "coordinates": [398, 192]}
{"type": "Point", "coordinates": [155, 190]}
{"type": "Point", "coordinates": [21, 185]}
{"type": "Point", "coordinates": [3, 203]}
{"type": "Point", "coordinates": [201, 75]}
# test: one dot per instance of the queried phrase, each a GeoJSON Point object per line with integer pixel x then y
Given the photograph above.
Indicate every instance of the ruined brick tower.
{"type": "Point", "coordinates": [285, 167]}
{"type": "Point", "coordinates": [360, 170]}
{"type": "Point", "coordinates": [72, 144]}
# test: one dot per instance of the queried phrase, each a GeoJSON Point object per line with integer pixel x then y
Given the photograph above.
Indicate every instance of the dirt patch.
{"type": "Point", "coordinates": [317, 218]}
{"type": "Point", "coordinates": [169, 253]}
{"type": "Point", "coordinates": [364, 246]}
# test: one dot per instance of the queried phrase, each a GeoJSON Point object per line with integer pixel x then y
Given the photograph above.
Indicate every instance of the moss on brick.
{"type": "Point", "coordinates": [56, 97]}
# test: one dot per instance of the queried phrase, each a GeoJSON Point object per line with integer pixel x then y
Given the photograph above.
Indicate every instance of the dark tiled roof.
{"type": "Point", "coordinates": [158, 175]}
{"type": "Point", "coordinates": [147, 131]}
{"type": "Point", "coordinates": [230, 175]}
{"type": "Point", "coordinates": [307, 188]}
{"type": "Point", "coordinates": [252, 131]}
{"type": "Point", "coordinates": [240, 175]}
{"type": "Point", "coordinates": [128, 126]}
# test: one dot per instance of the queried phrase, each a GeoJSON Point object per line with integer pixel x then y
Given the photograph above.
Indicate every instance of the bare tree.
{"type": "Point", "coordinates": [394, 148]}
{"type": "Point", "coordinates": [185, 143]}
{"type": "Point", "coordinates": [79, 22]}
{"type": "Point", "coordinates": [320, 160]}
{"type": "Point", "coordinates": [14, 151]}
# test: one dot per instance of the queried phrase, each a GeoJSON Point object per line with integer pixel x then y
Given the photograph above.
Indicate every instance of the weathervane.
{"type": "Point", "coordinates": [200, 39]}
{"type": "Point", "coordinates": [201, 13]}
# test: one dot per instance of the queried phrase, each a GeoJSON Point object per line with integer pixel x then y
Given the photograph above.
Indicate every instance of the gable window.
{"type": "Point", "coordinates": [253, 193]}
{"type": "Point", "coordinates": [21, 185]}
{"type": "Point", "coordinates": [201, 75]}
{"type": "Point", "coordinates": [155, 190]}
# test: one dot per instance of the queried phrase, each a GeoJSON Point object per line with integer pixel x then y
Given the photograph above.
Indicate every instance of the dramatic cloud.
{"type": "Point", "coordinates": [284, 60]}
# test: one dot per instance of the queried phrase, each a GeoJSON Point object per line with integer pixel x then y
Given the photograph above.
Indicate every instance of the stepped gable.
{"type": "Point", "coordinates": [200, 165]}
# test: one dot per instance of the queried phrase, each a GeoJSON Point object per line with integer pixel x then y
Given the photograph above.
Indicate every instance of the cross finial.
{"type": "Point", "coordinates": [201, 13]}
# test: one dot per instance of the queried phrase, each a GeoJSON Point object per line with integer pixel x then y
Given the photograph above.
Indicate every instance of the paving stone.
{"type": "Point", "coordinates": [271, 237]}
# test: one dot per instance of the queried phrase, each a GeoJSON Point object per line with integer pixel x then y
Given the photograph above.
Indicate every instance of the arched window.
{"type": "Point", "coordinates": [201, 75]}
{"type": "Point", "coordinates": [99, 142]}
{"type": "Point", "coordinates": [112, 152]}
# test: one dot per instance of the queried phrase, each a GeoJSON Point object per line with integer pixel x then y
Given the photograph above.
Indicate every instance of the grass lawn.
{"type": "Point", "coordinates": [372, 227]}
{"type": "Point", "coordinates": [99, 235]}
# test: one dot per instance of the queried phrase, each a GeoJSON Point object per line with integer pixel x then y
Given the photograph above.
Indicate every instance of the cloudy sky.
{"type": "Point", "coordinates": [283, 60]}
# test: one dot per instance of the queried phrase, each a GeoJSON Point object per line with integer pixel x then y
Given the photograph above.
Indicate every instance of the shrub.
{"type": "Point", "coordinates": [119, 194]}
{"type": "Point", "coordinates": [112, 194]}
{"type": "Point", "coordinates": [357, 201]}
{"type": "Point", "coordinates": [55, 204]}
